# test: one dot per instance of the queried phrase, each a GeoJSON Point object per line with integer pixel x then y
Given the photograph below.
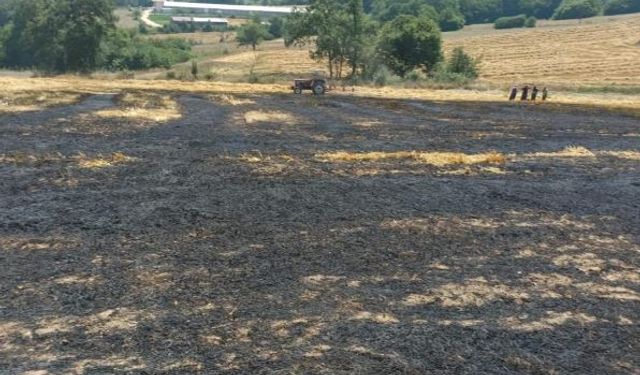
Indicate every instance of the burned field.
{"type": "Point", "coordinates": [150, 233]}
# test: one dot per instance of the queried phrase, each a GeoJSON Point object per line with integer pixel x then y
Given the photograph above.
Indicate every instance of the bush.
{"type": "Point", "coordinates": [210, 75]}
{"type": "Point", "coordinates": [463, 64]}
{"type": "Point", "coordinates": [125, 74]}
{"type": "Point", "coordinates": [612, 7]}
{"type": "Point", "coordinates": [382, 76]}
{"type": "Point", "coordinates": [510, 22]}
{"type": "Point", "coordinates": [530, 22]}
{"type": "Point", "coordinates": [125, 50]}
{"type": "Point", "coordinates": [253, 77]}
{"type": "Point", "coordinates": [442, 75]}
{"type": "Point", "coordinates": [414, 76]}
{"type": "Point", "coordinates": [571, 9]}
{"type": "Point", "coordinates": [171, 75]}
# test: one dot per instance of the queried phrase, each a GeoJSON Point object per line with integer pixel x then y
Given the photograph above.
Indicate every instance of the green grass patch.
{"type": "Point", "coordinates": [160, 19]}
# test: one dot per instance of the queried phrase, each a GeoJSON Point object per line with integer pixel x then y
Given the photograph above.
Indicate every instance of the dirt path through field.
{"type": "Point", "coordinates": [337, 235]}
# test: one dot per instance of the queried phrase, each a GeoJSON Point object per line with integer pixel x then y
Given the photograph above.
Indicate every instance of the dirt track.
{"type": "Point", "coordinates": [214, 244]}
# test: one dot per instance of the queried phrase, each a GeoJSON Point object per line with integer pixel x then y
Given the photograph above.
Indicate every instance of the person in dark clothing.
{"type": "Point", "coordinates": [525, 93]}
{"type": "Point", "coordinates": [545, 94]}
{"type": "Point", "coordinates": [513, 93]}
{"type": "Point", "coordinates": [534, 93]}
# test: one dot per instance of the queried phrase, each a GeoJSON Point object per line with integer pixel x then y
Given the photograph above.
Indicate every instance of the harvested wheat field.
{"type": "Point", "coordinates": [594, 52]}
{"type": "Point", "coordinates": [278, 234]}
{"type": "Point", "coordinates": [599, 51]}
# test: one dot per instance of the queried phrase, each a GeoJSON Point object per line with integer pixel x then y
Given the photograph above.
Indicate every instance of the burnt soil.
{"type": "Point", "coordinates": [220, 246]}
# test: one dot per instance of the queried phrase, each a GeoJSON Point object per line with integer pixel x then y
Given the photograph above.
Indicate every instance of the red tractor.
{"type": "Point", "coordinates": [317, 85]}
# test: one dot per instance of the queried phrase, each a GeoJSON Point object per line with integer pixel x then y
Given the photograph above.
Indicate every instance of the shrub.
{"type": "Point", "coordinates": [253, 77]}
{"type": "Point", "coordinates": [126, 50]}
{"type": "Point", "coordinates": [125, 74]}
{"type": "Point", "coordinates": [530, 22]}
{"type": "Point", "coordinates": [570, 9]}
{"type": "Point", "coordinates": [382, 76]}
{"type": "Point", "coordinates": [194, 69]}
{"type": "Point", "coordinates": [171, 75]}
{"type": "Point", "coordinates": [463, 64]}
{"type": "Point", "coordinates": [450, 79]}
{"type": "Point", "coordinates": [414, 76]}
{"type": "Point", "coordinates": [210, 75]}
{"type": "Point", "coordinates": [510, 22]}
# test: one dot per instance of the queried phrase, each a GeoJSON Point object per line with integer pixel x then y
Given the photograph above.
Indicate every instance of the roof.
{"type": "Point", "coordinates": [229, 7]}
{"type": "Point", "coordinates": [213, 20]}
{"type": "Point", "coordinates": [199, 19]}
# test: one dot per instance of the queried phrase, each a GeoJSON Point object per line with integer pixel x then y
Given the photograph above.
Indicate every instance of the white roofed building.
{"type": "Point", "coordinates": [167, 6]}
{"type": "Point", "coordinates": [213, 21]}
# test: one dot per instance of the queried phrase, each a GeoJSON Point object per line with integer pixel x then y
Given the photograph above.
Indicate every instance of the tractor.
{"type": "Point", "coordinates": [317, 85]}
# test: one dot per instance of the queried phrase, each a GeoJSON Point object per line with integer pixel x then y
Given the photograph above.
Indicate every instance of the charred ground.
{"type": "Point", "coordinates": [280, 234]}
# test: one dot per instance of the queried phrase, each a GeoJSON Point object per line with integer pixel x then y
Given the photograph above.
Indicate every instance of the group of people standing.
{"type": "Point", "coordinates": [524, 96]}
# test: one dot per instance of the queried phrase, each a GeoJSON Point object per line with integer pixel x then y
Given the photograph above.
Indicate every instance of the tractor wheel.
{"type": "Point", "coordinates": [297, 90]}
{"type": "Point", "coordinates": [319, 89]}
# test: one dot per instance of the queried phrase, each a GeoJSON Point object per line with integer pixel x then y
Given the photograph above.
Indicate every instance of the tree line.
{"type": "Point", "coordinates": [454, 14]}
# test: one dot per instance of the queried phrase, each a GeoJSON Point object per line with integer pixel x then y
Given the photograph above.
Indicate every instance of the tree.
{"type": "Point", "coordinates": [445, 12]}
{"type": "Point", "coordinates": [339, 30]}
{"type": "Point", "coordinates": [58, 36]}
{"type": "Point", "coordinates": [355, 31]}
{"type": "Point", "coordinates": [5, 33]}
{"type": "Point", "coordinates": [570, 9]}
{"type": "Point", "coordinates": [477, 11]}
{"type": "Point", "coordinates": [385, 11]}
{"type": "Point", "coordinates": [276, 26]}
{"type": "Point", "coordinates": [85, 24]}
{"type": "Point", "coordinates": [451, 20]}
{"type": "Point", "coordinates": [538, 8]}
{"type": "Point", "coordinates": [252, 34]}
{"type": "Point", "coordinates": [410, 42]}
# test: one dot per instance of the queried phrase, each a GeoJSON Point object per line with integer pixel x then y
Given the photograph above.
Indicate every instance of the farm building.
{"type": "Point", "coordinates": [162, 6]}
{"type": "Point", "coordinates": [201, 20]}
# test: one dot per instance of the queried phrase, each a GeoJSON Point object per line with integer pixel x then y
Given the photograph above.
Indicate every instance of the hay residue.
{"type": "Point", "coordinates": [229, 99]}
{"type": "Point", "coordinates": [432, 158]}
{"type": "Point", "coordinates": [16, 101]}
{"type": "Point", "coordinates": [567, 152]}
{"type": "Point", "coordinates": [583, 152]}
{"type": "Point", "coordinates": [143, 106]}
{"type": "Point", "coordinates": [254, 117]}
{"type": "Point", "coordinates": [82, 160]}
